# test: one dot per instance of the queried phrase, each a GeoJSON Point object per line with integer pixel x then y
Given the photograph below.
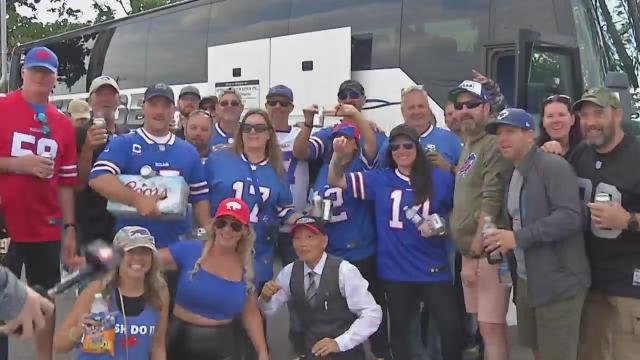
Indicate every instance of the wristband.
{"type": "Point", "coordinates": [68, 225]}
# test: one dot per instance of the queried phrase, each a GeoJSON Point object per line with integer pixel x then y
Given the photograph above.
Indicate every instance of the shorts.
{"type": "Point", "coordinates": [610, 328]}
{"type": "Point", "coordinates": [551, 329]}
{"type": "Point", "coordinates": [41, 261]}
{"type": "Point", "coordinates": [487, 297]}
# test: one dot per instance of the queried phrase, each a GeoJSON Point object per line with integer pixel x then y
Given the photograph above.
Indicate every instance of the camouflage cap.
{"type": "Point", "coordinates": [602, 97]}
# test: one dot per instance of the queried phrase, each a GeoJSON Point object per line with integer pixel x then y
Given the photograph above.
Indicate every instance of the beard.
{"type": "Point", "coordinates": [603, 139]}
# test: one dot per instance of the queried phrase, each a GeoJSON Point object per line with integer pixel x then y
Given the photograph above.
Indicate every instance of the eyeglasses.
{"type": "Point", "coordinates": [283, 103]}
{"type": "Point", "coordinates": [42, 119]}
{"type": "Point", "coordinates": [409, 89]}
{"type": "Point", "coordinates": [226, 103]}
{"type": "Point", "coordinates": [221, 223]}
{"type": "Point", "coordinates": [471, 104]}
{"type": "Point", "coordinates": [351, 94]}
{"type": "Point", "coordinates": [407, 145]}
{"type": "Point", "coordinates": [259, 128]}
{"type": "Point", "coordinates": [201, 112]}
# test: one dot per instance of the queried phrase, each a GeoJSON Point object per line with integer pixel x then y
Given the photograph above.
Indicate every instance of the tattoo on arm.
{"type": "Point", "coordinates": [338, 167]}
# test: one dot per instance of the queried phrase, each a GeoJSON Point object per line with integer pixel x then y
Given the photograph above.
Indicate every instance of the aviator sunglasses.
{"type": "Point", "coordinates": [221, 223]}
{"type": "Point", "coordinates": [407, 145]}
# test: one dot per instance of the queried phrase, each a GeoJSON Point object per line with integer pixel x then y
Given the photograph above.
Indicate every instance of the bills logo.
{"type": "Point", "coordinates": [468, 163]}
{"type": "Point", "coordinates": [232, 205]}
{"type": "Point", "coordinates": [138, 232]}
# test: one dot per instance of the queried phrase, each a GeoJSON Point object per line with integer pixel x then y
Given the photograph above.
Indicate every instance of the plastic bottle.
{"type": "Point", "coordinates": [496, 256]}
{"type": "Point", "coordinates": [504, 275]}
{"type": "Point", "coordinates": [99, 305]}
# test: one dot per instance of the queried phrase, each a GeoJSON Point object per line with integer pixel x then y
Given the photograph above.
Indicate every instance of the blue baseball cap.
{"type": "Point", "coordinates": [473, 87]}
{"type": "Point", "coordinates": [347, 129]}
{"type": "Point", "coordinates": [512, 117]}
{"type": "Point", "coordinates": [281, 90]}
{"type": "Point", "coordinates": [161, 90]}
{"type": "Point", "coordinates": [41, 57]}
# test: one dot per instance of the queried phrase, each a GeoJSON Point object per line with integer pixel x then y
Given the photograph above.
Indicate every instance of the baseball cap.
{"type": "Point", "coordinates": [41, 56]}
{"type": "Point", "coordinates": [79, 109]}
{"type": "Point", "coordinates": [513, 117]}
{"type": "Point", "coordinates": [351, 85]}
{"type": "Point", "coordinates": [213, 99]}
{"type": "Point", "coordinates": [159, 89]}
{"type": "Point", "coordinates": [602, 97]}
{"type": "Point", "coordinates": [316, 225]}
{"type": "Point", "coordinates": [235, 208]}
{"type": "Point", "coordinates": [130, 237]}
{"type": "Point", "coordinates": [405, 130]}
{"type": "Point", "coordinates": [281, 90]}
{"type": "Point", "coordinates": [346, 128]}
{"type": "Point", "coordinates": [470, 86]}
{"type": "Point", "coordinates": [103, 81]}
{"type": "Point", "coordinates": [192, 90]}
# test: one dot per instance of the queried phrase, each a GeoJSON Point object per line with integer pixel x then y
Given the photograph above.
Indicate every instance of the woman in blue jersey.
{"type": "Point", "coordinates": [215, 285]}
{"type": "Point", "coordinates": [138, 299]}
{"type": "Point", "coordinates": [412, 264]}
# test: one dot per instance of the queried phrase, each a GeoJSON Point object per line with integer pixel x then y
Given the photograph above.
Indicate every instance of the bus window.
{"type": "Point", "coordinates": [178, 41]}
{"type": "Point", "coordinates": [73, 56]}
{"type": "Point", "coordinates": [126, 55]}
{"type": "Point", "coordinates": [375, 27]}
{"type": "Point", "coordinates": [243, 20]}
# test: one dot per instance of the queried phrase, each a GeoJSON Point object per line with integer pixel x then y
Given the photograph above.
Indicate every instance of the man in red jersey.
{"type": "Point", "coordinates": [38, 174]}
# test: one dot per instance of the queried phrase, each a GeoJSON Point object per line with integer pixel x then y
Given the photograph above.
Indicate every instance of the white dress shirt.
{"type": "Point", "coordinates": [352, 286]}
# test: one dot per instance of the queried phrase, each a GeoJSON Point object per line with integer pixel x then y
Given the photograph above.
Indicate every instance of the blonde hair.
{"type": "Point", "coordinates": [272, 151]}
{"type": "Point", "coordinates": [244, 250]}
{"type": "Point", "coordinates": [154, 284]}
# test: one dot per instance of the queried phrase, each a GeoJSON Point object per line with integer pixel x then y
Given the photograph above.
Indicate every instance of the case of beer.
{"type": "Point", "coordinates": [173, 193]}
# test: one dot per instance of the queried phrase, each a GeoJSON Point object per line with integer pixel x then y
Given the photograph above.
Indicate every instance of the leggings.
{"type": "Point", "coordinates": [439, 300]}
{"type": "Point", "coordinates": [194, 342]}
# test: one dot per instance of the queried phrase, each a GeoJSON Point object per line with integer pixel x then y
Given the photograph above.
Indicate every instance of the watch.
{"type": "Point", "coordinates": [633, 222]}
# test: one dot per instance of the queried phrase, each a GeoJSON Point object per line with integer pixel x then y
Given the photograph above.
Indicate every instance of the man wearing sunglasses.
{"type": "Point", "coordinates": [38, 173]}
{"type": "Point", "coordinates": [228, 112]}
{"type": "Point", "coordinates": [351, 99]}
{"type": "Point", "coordinates": [338, 312]}
{"type": "Point", "coordinates": [478, 193]}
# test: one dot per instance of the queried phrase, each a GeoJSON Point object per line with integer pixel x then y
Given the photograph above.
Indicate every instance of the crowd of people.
{"type": "Point", "coordinates": [351, 213]}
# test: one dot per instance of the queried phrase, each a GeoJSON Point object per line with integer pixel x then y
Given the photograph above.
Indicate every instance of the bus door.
{"type": "Point", "coordinates": [313, 65]}
{"type": "Point", "coordinates": [532, 69]}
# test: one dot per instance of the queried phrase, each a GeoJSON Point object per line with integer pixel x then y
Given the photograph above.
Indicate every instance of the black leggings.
{"type": "Point", "coordinates": [439, 299]}
{"type": "Point", "coordinates": [193, 342]}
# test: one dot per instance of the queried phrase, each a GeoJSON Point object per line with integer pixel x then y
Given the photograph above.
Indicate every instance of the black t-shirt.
{"type": "Point", "coordinates": [614, 254]}
{"type": "Point", "coordinates": [93, 219]}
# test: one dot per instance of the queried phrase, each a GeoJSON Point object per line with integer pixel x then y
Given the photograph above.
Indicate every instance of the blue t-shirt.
{"type": "Point", "coordinates": [232, 175]}
{"type": "Point", "coordinates": [202, 292]}
{"type": "Point", "coordinates": [127, 154]}
{"type": "Point", "coordinates": [351, 230]}
{"type": "Point", "coordinates": [138, 336]}
{"type": "Point", "coordinates": [219, 137]}
{"type": "Point", "coordinates": [446, 144]}
{"type": "Point", "coordinates": [320, 145]}
{"type": "Point", "coordinates": [404, 254]}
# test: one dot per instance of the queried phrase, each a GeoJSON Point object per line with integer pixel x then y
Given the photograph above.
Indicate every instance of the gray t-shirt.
{"type": "Point", "coordinates": [513, 206]}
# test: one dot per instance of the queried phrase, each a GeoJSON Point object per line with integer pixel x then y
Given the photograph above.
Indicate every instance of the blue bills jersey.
{"type": "Point", "coordinates": [127, 154]}
{"type": "Point", "coordinates": [321, 145]}
{"type": "Point", "coordinates": [351, 230]}
{"type": "Point", "coordinates": [219, 137]}
{"type": "Point", "coordinates": [267, 195]}
{"type": "Point", "coordinates": [404, 254]}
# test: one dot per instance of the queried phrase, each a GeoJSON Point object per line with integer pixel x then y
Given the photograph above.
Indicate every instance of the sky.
{"type": "Point", "coordinates": [83, 5]}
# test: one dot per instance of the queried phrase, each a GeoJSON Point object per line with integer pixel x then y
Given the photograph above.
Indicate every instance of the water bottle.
{"type": "Point", "coordinates": [496, 256]}
{"type": "Point", "coordinates": [504, 275]}
{"type": "Point", "coordinates": [98, 338]}
{"type": "Point", "coordinates": [412, 214]}
{"type": "Point", "coordinates": [99, 305]}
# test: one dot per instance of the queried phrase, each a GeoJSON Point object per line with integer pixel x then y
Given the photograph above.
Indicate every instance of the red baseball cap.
{"type": "Point", "coordinates": [235, 208]}
{"type": "Point", "coordinates": [316, 225]}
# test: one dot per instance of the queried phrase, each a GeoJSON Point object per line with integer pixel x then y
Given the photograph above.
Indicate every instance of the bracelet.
{"type": "Point", "coordinates": [68, 225]}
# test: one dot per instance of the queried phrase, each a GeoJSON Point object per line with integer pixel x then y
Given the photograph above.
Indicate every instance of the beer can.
{"type": "Point", "coordinates": [437, 224]}
{"type": "Point", "coordinates": [316, 206]}
{"type": "Point", "coordinates": [326, 210]}
{"type": "Point", "coordinates": [201, 234]}
{"type": "Point", "coordinates": [100, 122]}
{"type": "Point", "coordinates": [146, 171]}
{"type": "Point", "coordinates": [602, 198]}
{"type": "Point", "coordinates": [47, 155]}
{"type": "Point", "coordinates": [430, 148]}
{"type": "Point", "coordinates": [321, 116]}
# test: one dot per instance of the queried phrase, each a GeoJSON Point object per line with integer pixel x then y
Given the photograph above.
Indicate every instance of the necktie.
{"type": "Point", "coordinates": [312, 289]}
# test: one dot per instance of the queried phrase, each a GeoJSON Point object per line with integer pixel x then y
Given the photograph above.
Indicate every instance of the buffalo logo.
{"type": "Point", "coordinates": [42, 54]}
{"type": "Point", "coordinates": [233, 205]}
{"type": "Point", "coordinates": [161, 86]}
{"type": "Point", "coordinates": [305, 220]}
{"type": "Point", "coordinates": [468, 163]}
{"type": "Point", "coordinates": [503, 114]}
{"type": "Point", "coordinates": [138, 232]}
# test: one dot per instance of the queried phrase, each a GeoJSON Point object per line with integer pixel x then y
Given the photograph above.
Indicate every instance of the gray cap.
{"type": "Point", "coordinates": [130, 237]}
{"type": "Point", "coordinates": [189, 90]}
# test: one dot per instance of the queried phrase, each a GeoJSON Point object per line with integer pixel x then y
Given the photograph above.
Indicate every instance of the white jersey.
{"type": "Point", "coordinates": [297, 171]}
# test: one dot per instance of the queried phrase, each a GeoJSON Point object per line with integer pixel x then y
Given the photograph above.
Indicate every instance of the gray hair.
{"type": "Point", "coordinates": [414, 88]}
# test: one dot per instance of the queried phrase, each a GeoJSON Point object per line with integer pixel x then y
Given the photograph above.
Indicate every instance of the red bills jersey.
{"type": "Point", "coordinates": [30, 204]}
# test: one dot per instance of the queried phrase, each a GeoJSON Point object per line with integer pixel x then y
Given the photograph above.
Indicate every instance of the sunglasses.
{"type": "Point", "coordinates": [221, 223]}
{"type": "Point", "coordinates": [351, 94]}
{"type": "Point", "coordinates": [558, 97]}
{"type": "Point", "coordinates": [42, 119]}
{"type": "Point", "coordinates": [471, 104]}
{"type": "Point", "coordinates": [283, 103]}
{"type": "Point", "coordinates": [259, 128]}
{"type": "Point", "coordinates": [409, 89]}
{"type": "Point", "coordinates": [226, 103]}
{"type": "Point", "coordinates": [407, 145]}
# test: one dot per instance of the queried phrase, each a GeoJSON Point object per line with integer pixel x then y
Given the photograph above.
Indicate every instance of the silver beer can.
{"type": "Point", "coordinates": [430, 148]}
{"type": "Point", "coordinates": [316, 206]}
{"type": "Point", "coordinates": [326, 210]}
{"type": "Point", "coordinates": [147, 172]}
{"type": "Point", "coordinates": [47, 155]}
{"type": "Point", "coordinates": [437, 224]}
{"type": "Point", "coordinates": [602, 198]}
{"type": "Point", "coordinates": [321, 116]}
{"type": "Point", "coordinates": [100, 122]}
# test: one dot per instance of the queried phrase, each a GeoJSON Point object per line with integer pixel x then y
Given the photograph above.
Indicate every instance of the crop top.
{"type": "Point", "coordinates": [204, 293]}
